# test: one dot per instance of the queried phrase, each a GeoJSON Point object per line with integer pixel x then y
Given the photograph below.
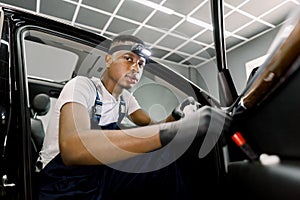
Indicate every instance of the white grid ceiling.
{"type": "Point", "coordinates": [173, 37]}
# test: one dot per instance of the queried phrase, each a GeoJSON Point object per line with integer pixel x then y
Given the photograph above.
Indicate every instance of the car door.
{"type": "Point", "coordinates": [15, 129]}
{"type": "Point", "coordinates": [25, 59]}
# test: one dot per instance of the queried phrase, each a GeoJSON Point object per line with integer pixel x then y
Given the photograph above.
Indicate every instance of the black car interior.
{"type": "Point", "coordinates": [267, 113]}
{"type": "Point", "coordinates": [40, 107]}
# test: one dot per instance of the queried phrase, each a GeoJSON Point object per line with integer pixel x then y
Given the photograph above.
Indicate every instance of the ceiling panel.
{"type": "Point", "coordinates": [190, 48]}
{"type": "Point", "coordinates": [235, 3]}
{"type": "Point", "coordinates": [202, 12]}
{"type": "Point", "coordinates": [239, 20]}
{"type": "Point", "coordinates": [246, 31]}
{"type": "Point", "coordinates": [232, 41]}
{"type": "Point", "coordinates": [163, 21]}
{"type": "Point", "coordinates": [279, 13]}
{"type": "Point", "coordinates": [57, 8]}
{"type": "Point", "coordinates": [149, 35]}
{"type": "Point", "coordinates": [139, 12]}
{"type": "Point", "coordinates": [121, 26]}
{"type": "Point", "coordinates": [187, 29]}
{"type": "Point", "coordinates": [108, 6]}
{"type": "Point", "coordinates": [91, 18]}
{"type": "Point", "coordinates": [28, 4]}
{"type": "Point", "coordinates": [206, 37]}
{"type": "Point", "coordinates": [260, 7]}
{"type": "Point", "coordinates": [207, 53]}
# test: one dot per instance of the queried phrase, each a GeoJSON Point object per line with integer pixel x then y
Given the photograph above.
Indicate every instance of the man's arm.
{"type": "Point", "coordinates": [79, 145]}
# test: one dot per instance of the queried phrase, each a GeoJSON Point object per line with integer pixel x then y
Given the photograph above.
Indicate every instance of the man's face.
{"type": "Point", "coordinates": [125, 68]}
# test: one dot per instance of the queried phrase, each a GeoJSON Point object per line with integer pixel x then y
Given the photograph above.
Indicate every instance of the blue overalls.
{"type": "Point", "coordinates": [101, 182]}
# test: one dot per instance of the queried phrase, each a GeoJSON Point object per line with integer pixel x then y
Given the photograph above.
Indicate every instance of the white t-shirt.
{"type": "Point", "coordinates": [82, 90]}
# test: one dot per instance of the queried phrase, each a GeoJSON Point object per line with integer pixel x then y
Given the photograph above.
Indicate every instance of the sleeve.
{"type": "Point", "coordinates": [131, 102]}
{"type": "Point", "coordinates": [80, 90]}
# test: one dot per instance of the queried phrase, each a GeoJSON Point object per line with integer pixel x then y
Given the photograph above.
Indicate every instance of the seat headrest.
{"type": "Point", "coordinates": [41, 104]}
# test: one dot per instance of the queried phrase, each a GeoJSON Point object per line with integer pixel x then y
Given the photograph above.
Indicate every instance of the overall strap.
{"type": "Point", "coordinates": [97, 110]}
{"type": "Point", "coordinates": [122, 109]}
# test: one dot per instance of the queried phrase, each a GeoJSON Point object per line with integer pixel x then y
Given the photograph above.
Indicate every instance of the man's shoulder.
{"type": "Point", "coordinates": [81, 80]}
{"type": "Point", "coordinates": [80, 83]}
{"type": "Point", "coordinates": [80, 89]}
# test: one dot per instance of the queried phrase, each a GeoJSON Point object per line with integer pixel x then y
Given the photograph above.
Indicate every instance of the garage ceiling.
{"type": "Point", "coordinates": [184, 36]}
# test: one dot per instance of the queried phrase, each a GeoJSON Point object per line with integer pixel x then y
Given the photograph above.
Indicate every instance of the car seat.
{"type": "Point", "coordinates": [39, 107]}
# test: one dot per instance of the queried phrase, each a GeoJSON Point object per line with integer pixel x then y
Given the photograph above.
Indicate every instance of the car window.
{"type": "Point", "coordinates": [45, 61]}
{"type": "Point", "coordinates": [57, 57]}
{"type": "Point", "coordinates": [53, 56]}
{"type": "Point", "coordinates": [44, 58]}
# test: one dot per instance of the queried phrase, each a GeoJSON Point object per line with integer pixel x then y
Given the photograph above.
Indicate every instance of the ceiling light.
{"type": "Point", "coordinates": [199, 22]}
{"type": "Point", "coordinates": [155, 6]}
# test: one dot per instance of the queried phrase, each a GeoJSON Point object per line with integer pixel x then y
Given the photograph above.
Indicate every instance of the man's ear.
{"type": "Point", "coordinates": [108, 60]}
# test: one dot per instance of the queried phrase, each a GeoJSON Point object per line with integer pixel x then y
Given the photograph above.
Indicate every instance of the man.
{"type": "Point", "coordinates": [85, 154]}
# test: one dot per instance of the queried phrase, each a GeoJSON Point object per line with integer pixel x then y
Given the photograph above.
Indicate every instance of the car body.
{"type": "Point", "coordinates": [33, 47]}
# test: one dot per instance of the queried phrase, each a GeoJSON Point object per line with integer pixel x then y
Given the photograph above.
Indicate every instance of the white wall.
{"type": "Point", "coordinates": [236, 60]}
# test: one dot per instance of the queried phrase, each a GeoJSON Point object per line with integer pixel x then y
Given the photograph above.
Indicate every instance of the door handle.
{"type": "Point", "coordinates": [5, 182]}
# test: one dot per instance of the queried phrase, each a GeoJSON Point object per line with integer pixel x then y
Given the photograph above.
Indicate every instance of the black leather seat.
{"type": "Point", "coordinates": [39, 107]}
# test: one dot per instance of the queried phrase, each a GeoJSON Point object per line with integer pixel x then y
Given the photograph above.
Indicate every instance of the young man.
{"type": "Point", "coordinates": [87, 156]}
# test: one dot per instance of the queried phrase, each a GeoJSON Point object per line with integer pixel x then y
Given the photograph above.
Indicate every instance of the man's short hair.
{"type": "Point", "coordinates": [129, 43]}
{"type": "Point", "coordinates": [125, 38]}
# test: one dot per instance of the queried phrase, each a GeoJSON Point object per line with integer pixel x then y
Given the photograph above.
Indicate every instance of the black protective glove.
{"type": "Point", "coordinates": [206, 120]}
{"type": "Point", "coordinates": [186, 107]}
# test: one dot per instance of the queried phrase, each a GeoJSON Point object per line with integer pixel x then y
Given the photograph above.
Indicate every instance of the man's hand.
{"type": "Point", "coordinates": [186, 107]}
{"type": "Point", "coordinates": [206, 120]}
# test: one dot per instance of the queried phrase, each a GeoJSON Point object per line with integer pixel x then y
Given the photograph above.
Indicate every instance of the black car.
{"type": "Point", "coordinates": [265, 115]}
